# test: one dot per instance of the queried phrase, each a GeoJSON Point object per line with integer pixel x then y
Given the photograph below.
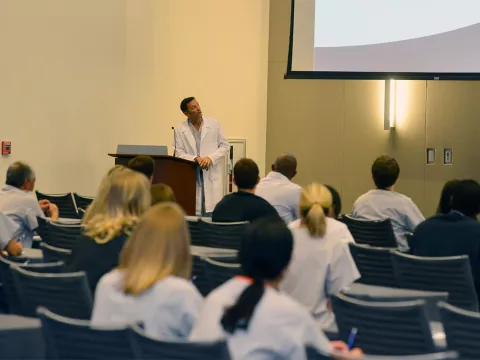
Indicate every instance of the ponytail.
{"type": "Point", "coordinates": [238, 316]}
{"type": "Point", "coordinates": [315, 220]}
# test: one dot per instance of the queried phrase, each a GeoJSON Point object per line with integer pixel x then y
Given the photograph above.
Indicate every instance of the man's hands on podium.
{"type": "Point", "coordinates": [203, 162]}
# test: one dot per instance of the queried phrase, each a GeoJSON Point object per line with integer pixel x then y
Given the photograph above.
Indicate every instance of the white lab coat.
{"type": "Point", "coordinates": [215, 146]}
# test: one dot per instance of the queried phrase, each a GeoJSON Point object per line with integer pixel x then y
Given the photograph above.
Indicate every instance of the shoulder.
{"type": "Point", "coordinates": [110, 280]}
{"type": "Point", "coordinates": [179, 287]}
{"type": "Point", "coordinates": [285, 308]}
{"type": "Point", "coordinates": [335, 225]}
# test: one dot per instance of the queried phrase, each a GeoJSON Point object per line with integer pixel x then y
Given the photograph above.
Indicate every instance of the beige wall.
{"type": "Point", "coordinates": [80, 76]}
{"type": "Point", "coordinates": [335, 127]}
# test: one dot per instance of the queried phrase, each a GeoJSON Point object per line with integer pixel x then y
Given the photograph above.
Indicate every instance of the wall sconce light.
{"type": "Point", "coordinates": [390, 104]}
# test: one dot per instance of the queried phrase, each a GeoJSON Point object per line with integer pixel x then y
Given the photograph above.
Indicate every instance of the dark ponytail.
{"type": "Point", "coordinates": [238, 315]}
{"type": "Point", "coordinates": [264, 254]}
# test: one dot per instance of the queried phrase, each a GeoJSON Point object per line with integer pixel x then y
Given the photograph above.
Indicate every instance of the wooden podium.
{"type": "Point", "coordinates": [179, 174]}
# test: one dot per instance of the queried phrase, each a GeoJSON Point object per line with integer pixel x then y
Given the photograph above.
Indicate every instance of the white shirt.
{"type": "Point", "coordinates": [336, 230]}
{"type": "Point", "coordinates": [279, 325]}
{"type": "Point", "coordinates": [319, 268]}
{"type": "Point", "coordinates": [8, 229]}
{"type": "Point", "coordinates": [385, 204]}
{"type": "Point", "coordinates": [168, 310]}
{"type": "Point", "coordinates": [283, 194]}
{"type": "Point", "coordinates": [22, 207]}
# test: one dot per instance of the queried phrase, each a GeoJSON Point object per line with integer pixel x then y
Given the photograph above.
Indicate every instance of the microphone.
{"type": "Point", "coordinates": [174, 142]}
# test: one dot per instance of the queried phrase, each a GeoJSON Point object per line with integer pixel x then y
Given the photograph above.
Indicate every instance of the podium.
{"type": "Point", "coordinates": [179, 174]}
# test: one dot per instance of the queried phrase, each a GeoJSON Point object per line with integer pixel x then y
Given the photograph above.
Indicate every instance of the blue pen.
{"type": "Point", "coordinates": [351, 338]}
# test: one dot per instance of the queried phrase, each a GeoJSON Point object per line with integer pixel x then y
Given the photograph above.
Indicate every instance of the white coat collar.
{"type": "Point", "coordinates": [206, 126]}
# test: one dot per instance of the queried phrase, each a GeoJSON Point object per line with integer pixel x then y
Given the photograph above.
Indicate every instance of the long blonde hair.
{"type": "Point", "coordinates": [315, 201]}
{"type": "Point", "coordinates": [158, 247]}
{"type": "Point", "coordinates": [123, 196]}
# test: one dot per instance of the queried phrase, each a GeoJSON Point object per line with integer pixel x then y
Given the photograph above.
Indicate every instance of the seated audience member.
{"type": "Point", "coordinates": [250, 313]}
{"type": "Point", "coordinates": [8, 229]}
{"type": "Point", "coordinates": [385, 203]}
{"type": "Point", "coordinates": [244, 205]}
{"type": "Point", "coordinates": [152, 284]}
{"type": "Point", "coordinates": [278, 189]}
{"type": "Point", "coordinates": [123, 196]}
{"type": "Point", "coordinates": [20, 204]}
{"type": "Point", "coordinates": [445, 204]}
{"type": "Point", "coordinates": [336, 208]}
{"type": "Point", "coordinates": [455, 233]}
{"type": "Point", "coordinates": [320, 248]}
{"type": "Point", "coordinates": [161, 193]}
{"type": "Point", "coordinates": [144, 165]}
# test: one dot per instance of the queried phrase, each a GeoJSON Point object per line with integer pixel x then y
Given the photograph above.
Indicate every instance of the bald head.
{"type": "Point", "coordinates": [285, 164]}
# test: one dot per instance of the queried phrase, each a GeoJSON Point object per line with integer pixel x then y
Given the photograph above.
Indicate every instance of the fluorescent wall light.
{"type": "Point", "coordinates": [390, 104]}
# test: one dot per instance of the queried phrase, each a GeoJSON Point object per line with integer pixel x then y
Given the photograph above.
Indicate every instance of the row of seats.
{"type": "Point", "coordinates": [202, 231]}
{"type": "Point", "coordinates": [70, 205]}
{"type": "Point", "coordinates": [404, 327]}
{"type": "Point", "coordinates": [72, 339]}
{"type": "Point", "coordinates": [387, 267]}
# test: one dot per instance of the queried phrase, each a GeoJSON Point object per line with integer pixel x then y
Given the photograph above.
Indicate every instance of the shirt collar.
{"type": "Point", "coordinates": [277, 176]}
{"type": "Point", "coordinates": [13, 188]}
{"type": "Point", "coordinates": [456, 212]}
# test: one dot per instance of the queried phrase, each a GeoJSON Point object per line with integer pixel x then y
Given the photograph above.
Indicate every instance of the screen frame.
{"type": "Point", "coordinates": [357, 75]}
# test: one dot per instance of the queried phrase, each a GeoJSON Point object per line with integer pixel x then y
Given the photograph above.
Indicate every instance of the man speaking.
{"type": "Point", "coordinates": [201, 139]}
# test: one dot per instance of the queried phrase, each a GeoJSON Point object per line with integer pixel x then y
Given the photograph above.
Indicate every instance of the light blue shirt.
{"type": "Point", "coordinates": [281, 193]}
{"type": "Point", "coordinates": [168, 310]}
{"type": "Point", "coordinates": [8, 229]}
{"type": "Point", "coordinates": [384, 204]}
{"type": "Point", "coordinates": [22, 207]}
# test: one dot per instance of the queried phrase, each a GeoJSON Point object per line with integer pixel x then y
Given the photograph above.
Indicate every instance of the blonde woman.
{"type": "Point", "coordinates": [321, 262]}
{"type": "Point", "coordinates": [123, 196]}
{"type": "Point", "coordinates": [151, 284]}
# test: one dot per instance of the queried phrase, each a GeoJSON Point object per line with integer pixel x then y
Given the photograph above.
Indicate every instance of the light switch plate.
{"type": "Point", "coordinates": [448, 156]}
{"type": "Point", "coordinates": [431, 155]}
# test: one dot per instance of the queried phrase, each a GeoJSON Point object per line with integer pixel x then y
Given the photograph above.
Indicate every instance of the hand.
{"type": "Point", "coordinates": [205, 164]}
{"type": "Point", "coordinates": [44, 205]}
{"type": "Point", "coordinates": [53, 211]}
{"type": "Point", "coordinates": [339, 346]}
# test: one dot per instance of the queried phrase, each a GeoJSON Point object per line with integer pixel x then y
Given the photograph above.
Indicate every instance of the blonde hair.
{"type": "Point", "coordinates": [158, 247]}
{"type": "Point", "coordinates": [161, 193]}
{"type": "Point", "coordinates": [315, 200]}
{"type": "Point", "coordinates": [122, 197]}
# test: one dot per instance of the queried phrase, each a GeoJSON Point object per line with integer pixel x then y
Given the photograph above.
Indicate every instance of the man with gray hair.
{"type": "Point", "coordinates": [20, 204]}
{"type": "Point", "coordinates": [278, 189]}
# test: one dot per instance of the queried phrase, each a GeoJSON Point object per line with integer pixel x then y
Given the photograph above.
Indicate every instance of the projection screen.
{"type": "Point", "coordinates": [379, 39]}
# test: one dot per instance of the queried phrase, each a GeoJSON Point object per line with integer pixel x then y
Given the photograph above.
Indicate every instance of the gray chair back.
{"type": "Point", "coordinates": [199, 275]}
{"type": "Point", "coordinates": [393, 328]}
{"type": "Point", "coordinates": [9, 287]}
{"type": "Point", "coordinates": [52, 253]}
{"type": "Point", "coordinates": [313, 354]}
{"type": "Point", "coordinates": [65, 203]}
{"type": "Point", "coordinates": [374, 233]}
{"type": "Point", "coordinates": [462, 329]}
{"type": "Point", "coordinates": [195, 231]}
{"type": "Point", "coordinates": [219, 272]}
{"type": "Point", "coordinates": [374, 264]}
{"type": "Point", "coordinates": [222, 235]}
{"type": "Point", "coordinates": [82, 202]}
{"type": "Point", "coordinates": [148, 348]}
{"type": "Point", "coordinates": [67, 294]}
{"type": "Point", "coordinates": [61, 235]}
{"type": "Point", "coordinates": [448, 274]}
{"type": "Point", "coordinates": [75, 339]}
